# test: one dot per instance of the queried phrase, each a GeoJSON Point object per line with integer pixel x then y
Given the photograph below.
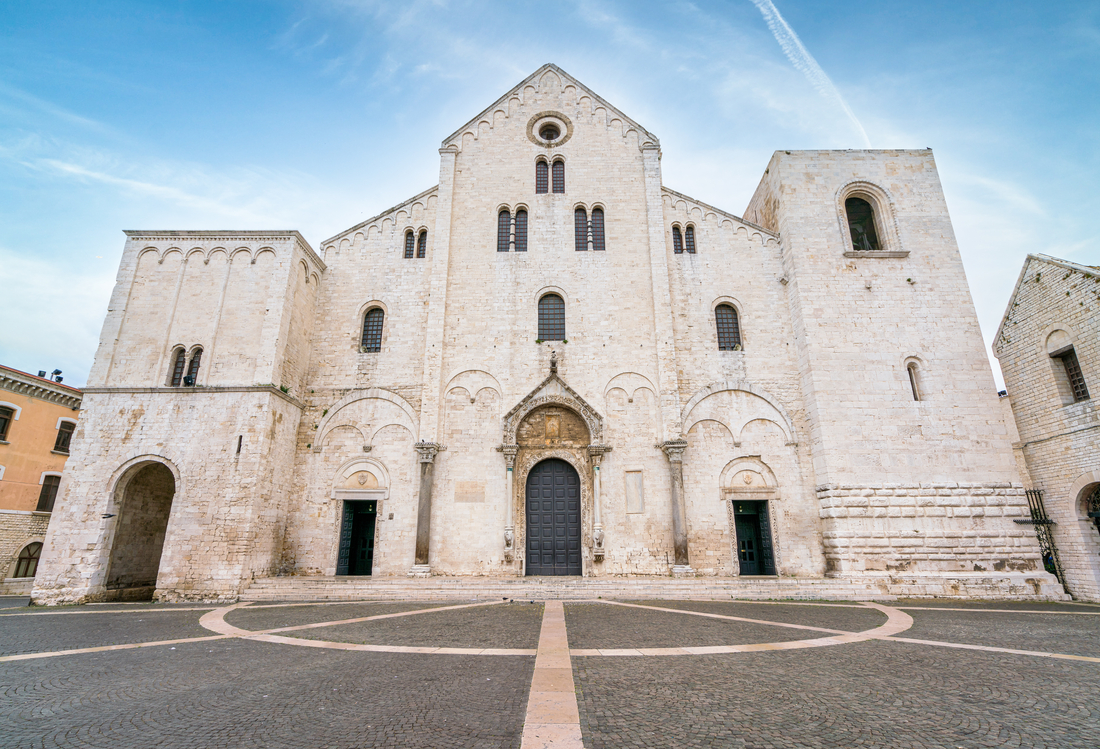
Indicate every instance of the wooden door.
{"type": "Point", "coordinates": [553, 501]}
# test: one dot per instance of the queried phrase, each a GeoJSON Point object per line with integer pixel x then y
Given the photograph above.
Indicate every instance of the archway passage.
{"type": "Point", "coordinates": [139, 535]}
{"type": "Point", "coordinates": [553, 502]}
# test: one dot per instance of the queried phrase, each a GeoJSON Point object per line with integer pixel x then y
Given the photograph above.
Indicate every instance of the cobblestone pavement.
{"type": "Point", "coordinates": [233, 691]}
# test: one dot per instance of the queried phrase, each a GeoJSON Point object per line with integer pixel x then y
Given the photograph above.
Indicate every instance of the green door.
{"type": "Point", "coordinates": [357, 538]}
{"type": "Point", "coordinates": [754, 541]}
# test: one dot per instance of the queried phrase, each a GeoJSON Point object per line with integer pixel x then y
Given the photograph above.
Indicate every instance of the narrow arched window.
{"type": "Point", "coordinates": [372, 330]}
{"type": "Point", "coordinates": [178, 365]}
{"type": "Point", "coordinates": [504, 230]}
{"type": "Point", "coordinates": [689, 239]}
{"type": "Point", "coordinates": [559, 176]}
{"type": "Point", "coordinates": [408, 243]}
{"type": "Point", "coordinates": [541, 180]}
{"type": "Point", "coordinates": [521, 231]}
{"type": "Point", "coordinates": [422, 244]}
{"type": "Point", "coordinates": [580, 227]}
{"type": "Point", "coordinates": [677, 241]}
{"type": "Point", "coordinates": [27, 565]}
{"type": "Point", "coordinates": [914, 382]}
{"type": "Point", "coordinates": [729, 332]}
{"type": "Point", "coordinates": [861, 224]}
{"type": "Point", "coordinates": [192, 376]}
{"type": "Point", "coordinates": [552, 318]}
{"type": "Point", "coordinates": [597, 230]}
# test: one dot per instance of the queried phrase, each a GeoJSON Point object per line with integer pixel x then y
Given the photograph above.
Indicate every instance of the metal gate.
{"type": "Point", "coordinates": [553, 503]}
{"type": "Point", "coordinates": [1045, 533]}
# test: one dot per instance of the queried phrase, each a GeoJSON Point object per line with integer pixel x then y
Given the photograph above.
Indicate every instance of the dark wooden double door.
{"type": "Point", "coordinates": [356, 556]}
{"type": "Point", "coordinates": [754, 538]}
{"type": "Point", "coordinates": [553, 502]}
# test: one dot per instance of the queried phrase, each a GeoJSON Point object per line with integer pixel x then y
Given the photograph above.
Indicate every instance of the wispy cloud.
{"type": "Point", "coordinates": [804, 62]}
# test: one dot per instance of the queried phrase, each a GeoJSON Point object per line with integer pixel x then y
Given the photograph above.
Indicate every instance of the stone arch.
{"type": "Point", "coordinates": [629, 383]}
{"type": "Point", "coordinates": [773, 411]}
{"type": "Point", "coordinates": [593, 421]}
{"type": "Point", "coordinates": [474, 381]}
{"type": "Point", "coordinates": [378, 393]}
{"type": "Point", "coordinates": [1080, 490]}
{"type": "Point", "coordinates": [143, 494]}
{"type": "Point", "coordinates": [885, 214]}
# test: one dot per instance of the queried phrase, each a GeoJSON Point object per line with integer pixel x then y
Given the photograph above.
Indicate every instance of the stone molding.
{"type": "Point", "coordinates": [201, 390]}
{"type": "Point", "coordinates": [674, 449]}
{"type": "Point", "coordinates": [230, 236]}
{"type": "Point", "coordinates": [358, 395]}
{"type": "Point", "coordinates": [22, 383]}
{"type": "Point", "coordinates": [746, 386]}
{"type": "Point", "coordinates": [573, 401]}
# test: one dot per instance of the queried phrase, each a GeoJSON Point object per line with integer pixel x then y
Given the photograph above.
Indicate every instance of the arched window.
{"type": "Point", "coordinates": [914, 379]}
{"type": "Point", "coordinates": [861, 225]}
{"type": "Point", "coordinates": [689, 239]}
{"type": "Point", "coordinates": [178, 365]}
{"type": "Point", "coordinates": [521, 231]}
{"type": "Point", "coordinates": [372, 330]}
{"type": "Point", "coordinates": [580, 225]}
{"type": "Point", "coordinates": [1074, 376]}
{"type": "Point", "coordinates": [422, 244]}
{"type": "Point", "coordinates": [677, 241]}
{"type": "Point", "coordinates": [597, 230]}
{"type": "Point", "coordinates": [729, 332]}
{"type": "Point", "coordinates": [559, 176]}
{"type": "Point", "coordinates": [409, 244]}
{"type": "Point", "coordinates": [48, 493]}
{"type": "Point", "coordinates": [504, 230]}
{"type": "Point", "coordinates": [192, 376]}
{"type": "Point", "coordinates": [541, 180]}
{"type": "Point", "coordinates": [28, 560]}
{"type": "Point", "coordinates": [551, 318]}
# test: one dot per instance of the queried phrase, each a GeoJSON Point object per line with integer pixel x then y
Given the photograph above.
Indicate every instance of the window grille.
{"type": "Point", "coordinates": [64, 436]}
{"type": "Point", "coordinates": [580, 225]}
{"type": "Point", "coordinates": [504, 229]}
{"type": "Point", "coordinates": [6, 415]}
{"type": "Point", "coordinates": [408, 244]}
{"type": "Point", "coordinates": [1074, 375]}
{"type": "Point", "coordinates": [48, 494]}
{"type": "Point", "coordinates": [729, 332]}
{"type": "Point", "coordinates": [372, 330]}
{"type": "Point", "coordinates": [689, 239]}
{"type": "Point", "coordinates": [541, 170]}
{"type": "Point", "coordinates": [27, 565]}
{"type": "Point", "coordinates": [422, 244]}
{"type": "Point", "coordinates": [552, 318]}
{"type": "Point", "coordinates": [677, 241]}
{"type": "Point", "coordinates": [177, 368]}
{"type": "Point", "coordinates": [193, 368]}
{"type": "Point", "coordinates": [521, 231]}
{"type": "Point", "coordinates": [559, 176]}
{"type": "Point", "coordinates": [861, 225]}
{"type": "Point", "coordinates": [597, 230]}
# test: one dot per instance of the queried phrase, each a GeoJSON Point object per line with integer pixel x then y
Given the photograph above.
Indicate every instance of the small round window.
{"type": "Point", "coordinates": [549, 129]}
{"type": "Point", "coordinates": [549, 132]}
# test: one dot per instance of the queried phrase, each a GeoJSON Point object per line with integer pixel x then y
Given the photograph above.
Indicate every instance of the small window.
{"type": "Point", "coordinates": [422, 244]}
{"type": "Point", "coordinates": [372, 330]}
{"type": "Point", "coordinates": [1074, 375]}
{"type": "Point", "coordinates": [64, 436]}
{"type": "Point", "coordinates": [729, 332]}
{"type": "Point", "coordinates": [504, 230]}
{"type": "Point", "coordinates": [861, 224]}
{"type": "Point", "coordinates": [409, 244]}
{"type": "Point", "coordinates": [689, 239]}
{"type": "Point", "coordinates": [541, 177]}
{"type": "Point", "coordinates": [178, 367]}
{"type": "Point", "coordinates": [552, 318]}
{"type": "Point", "coordinates": [580, 226]}
{"type": "Point", "coordinates": [27, 565]}
{"type": "Point", "coordinates": [677, 241]}
{"type": "Point", "coordinates": [193, 369]}
{"type": "Point", "coordinates": [521, 231]}
{"type": "Point", "coordinates": [48, 494]}
{"type": "Point", "coordinates": [559, 176]}
{"type": "Point", "coordinates": [549, 132]}
{"type": "Point", "coordinates": [597, 230]}
{"type": "Point", "coordinates": [914, 380]}
{"type": "Point", "coordinates": [6, 415]}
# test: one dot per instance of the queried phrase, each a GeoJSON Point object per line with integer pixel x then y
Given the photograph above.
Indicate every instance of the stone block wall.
{"type": "Point", "coordinates": [17, 529]}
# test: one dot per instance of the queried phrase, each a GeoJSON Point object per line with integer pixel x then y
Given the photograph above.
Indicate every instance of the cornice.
{"type": "Point", "coordinates": [22, 383]}
{"type": "Point", "coordinates": [199, 390]}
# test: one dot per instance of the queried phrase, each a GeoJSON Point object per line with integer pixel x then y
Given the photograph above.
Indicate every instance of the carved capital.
{"type": "Point", "coordinates": [427, 451]}
{"type": "Point", "coordinates": [674, 449]}
{"type": "Point", "coordinates": [596, 452]}
{"type": "Point", "coordinates": [510, 452]}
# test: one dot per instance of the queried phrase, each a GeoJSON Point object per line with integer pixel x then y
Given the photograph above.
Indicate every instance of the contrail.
{"type": "Point", "coordinates": [804, 61]}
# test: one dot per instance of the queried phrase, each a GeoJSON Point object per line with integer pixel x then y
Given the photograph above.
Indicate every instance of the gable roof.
{"type": "Point", "coordinates": [535, 79]}
{"type": "Point", "coordinates": [1088, 270]}
{"type": "Point", "coordinates": [705, 207]}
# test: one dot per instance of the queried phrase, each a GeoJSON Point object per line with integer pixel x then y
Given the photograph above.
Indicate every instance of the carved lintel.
{"type": "Point", "coordinates": [427, 450]}
{"type": "Point", "coordinates": [510, 452]}
{"type": "Point", "coordinates": [674, 449]}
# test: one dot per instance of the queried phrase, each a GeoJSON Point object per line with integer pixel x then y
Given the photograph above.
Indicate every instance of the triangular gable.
{"type": "Point", "coordinates": [536, 80]}
{"type": "Point", "coordinates": [553, 390]}
{"type": "Point", "coordinates": [388, 213]}
{"type": "Point", "coordinates": [1088, 270]}
{"type": "Point", "coordinates": [718, 212]}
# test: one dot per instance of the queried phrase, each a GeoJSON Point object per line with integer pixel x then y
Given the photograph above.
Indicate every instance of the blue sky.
{"type": "Point", "coordinates": [317, 115]}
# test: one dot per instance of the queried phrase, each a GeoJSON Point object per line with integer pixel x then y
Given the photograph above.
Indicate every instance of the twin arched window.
{"type": "Point", "coordinates": [682, 241]}
{"type": "Point", "coordinates": [551, 318]}
{"type": "Point", "coordinates": [729, 330]}
{"type": "Point", "coordinates": [512, 231]}
{"type": "Point", "coordinates": [372, 330]}
{"type": "Point", "coordinates": [541, 174]}
{"type": "Point", "coordinates": [589, 234]}
{"type": "Point", "coordinates": [181, 365]}
{"type": "Point", "coordinates": [420, 243]}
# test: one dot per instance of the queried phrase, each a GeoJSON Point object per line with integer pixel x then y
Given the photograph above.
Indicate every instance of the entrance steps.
{"type": "Point", "coordinates": [440, 588]}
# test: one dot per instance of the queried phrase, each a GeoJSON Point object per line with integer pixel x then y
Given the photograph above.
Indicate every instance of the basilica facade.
{"type": "Point", "coordinates": [550, 363]}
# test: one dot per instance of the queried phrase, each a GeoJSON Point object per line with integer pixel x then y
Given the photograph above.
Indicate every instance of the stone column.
{"type": "Point", "coordinates": [595, 452]}
{"type": "Point", "coordinates": [674, 449]}
{"type": "Point", "coordinates": [427, 452]}
{"type": "Point", "coordinates": [509, 523]}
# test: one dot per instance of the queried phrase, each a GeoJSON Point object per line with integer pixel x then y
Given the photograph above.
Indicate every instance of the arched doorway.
{"type": "Point", "coordinates": [139, 532]}
{"type": "Point", "coordinates": [553, 502]}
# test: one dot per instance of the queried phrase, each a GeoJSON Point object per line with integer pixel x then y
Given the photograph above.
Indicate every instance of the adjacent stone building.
{"type": "Point", "coordinates": [549, 363]}
{"type": "Point", "coordinates": [1048, 346]}
{"type": "Point", "coordinates": [37, 419]}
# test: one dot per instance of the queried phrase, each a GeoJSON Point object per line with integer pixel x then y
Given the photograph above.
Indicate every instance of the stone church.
{"type": "Point", "coordinates": [550, 363]}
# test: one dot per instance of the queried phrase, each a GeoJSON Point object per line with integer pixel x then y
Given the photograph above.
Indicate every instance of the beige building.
{"type": "Point", "coordinates": [1048, 346]}
{"type": "Point", "coordinates": [37, 421]}
{"type": "Point", "coordinates": [550, 363]}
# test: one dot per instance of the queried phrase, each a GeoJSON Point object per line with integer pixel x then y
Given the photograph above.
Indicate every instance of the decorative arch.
{"type": "Point", "coordinates": [785, 423]}
{"type": "Point", "coordinates": [553, 391]}
{"type": "Point", "coordinates": [474, 381]}
{"type": "Point", "coordinates": [1078, 494]}
{"type": "Point", "coordinates": [358, 395]}
{"type": "Point", "coordinates": [885, 215]}
{"type": "Point", "coordinates": [629, 383]}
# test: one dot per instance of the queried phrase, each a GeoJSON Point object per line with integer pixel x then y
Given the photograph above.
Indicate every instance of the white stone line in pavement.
{"type": "Point", "coordinates": [1000, 611]}
{"type": "Point", "coordinates": [93, 611]}
{"type": "Point", "coordinates": [553, 719]}
{"type": "Point", "coordinates": [991, 649]}
{"type": "Point", "coordinates": [730, 618]}
{"type": "Point", "coordinates": [105, 648]}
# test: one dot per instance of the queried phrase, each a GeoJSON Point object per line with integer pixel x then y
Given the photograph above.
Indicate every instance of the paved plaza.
{"type": "Point", "coordinates": [597, 674]}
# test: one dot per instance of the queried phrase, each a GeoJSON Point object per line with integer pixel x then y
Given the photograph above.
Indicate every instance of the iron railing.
{"type": "Point", "coordinates": [1045, 533]}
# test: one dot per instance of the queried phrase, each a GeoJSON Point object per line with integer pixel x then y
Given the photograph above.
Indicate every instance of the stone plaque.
{"type": "Point", "coordinates": [635, 495]}
{"type": "Point", "coordinates": [469, 491]}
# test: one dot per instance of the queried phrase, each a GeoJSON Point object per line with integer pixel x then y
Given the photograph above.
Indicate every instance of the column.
{"type": "Point", "coordinates": [595, 453]}
{"type": "Point", "coordinates": [509, 523]}
{"type": "Point", "coordinates": [674, 449]}
{"type": "Point", "coordinates": [427, 452]}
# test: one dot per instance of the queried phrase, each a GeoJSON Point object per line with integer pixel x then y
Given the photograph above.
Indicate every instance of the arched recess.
{"type": "Point", "coordinates": [736, 404]}
{"type": "Point", "coordinates": [404, 412]}
{"type": "Point", "coordinates": [474, 380]}
{"type": "Point", "coordinates": [563, 396]}
{"type": "Point", "coordinates": [629, 383]}
{"type": "Point", "coordinates": [141, 502]}
{"type": "Point", "coordinates": [750, 492]}
{"type": "Point", "coordinates": [360, 488]}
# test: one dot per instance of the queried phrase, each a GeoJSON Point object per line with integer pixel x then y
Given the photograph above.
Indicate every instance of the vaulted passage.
{"type": "Point", "coordinates": [139, 535]}
{"type": "Point", "coordinates": [553, 519]}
